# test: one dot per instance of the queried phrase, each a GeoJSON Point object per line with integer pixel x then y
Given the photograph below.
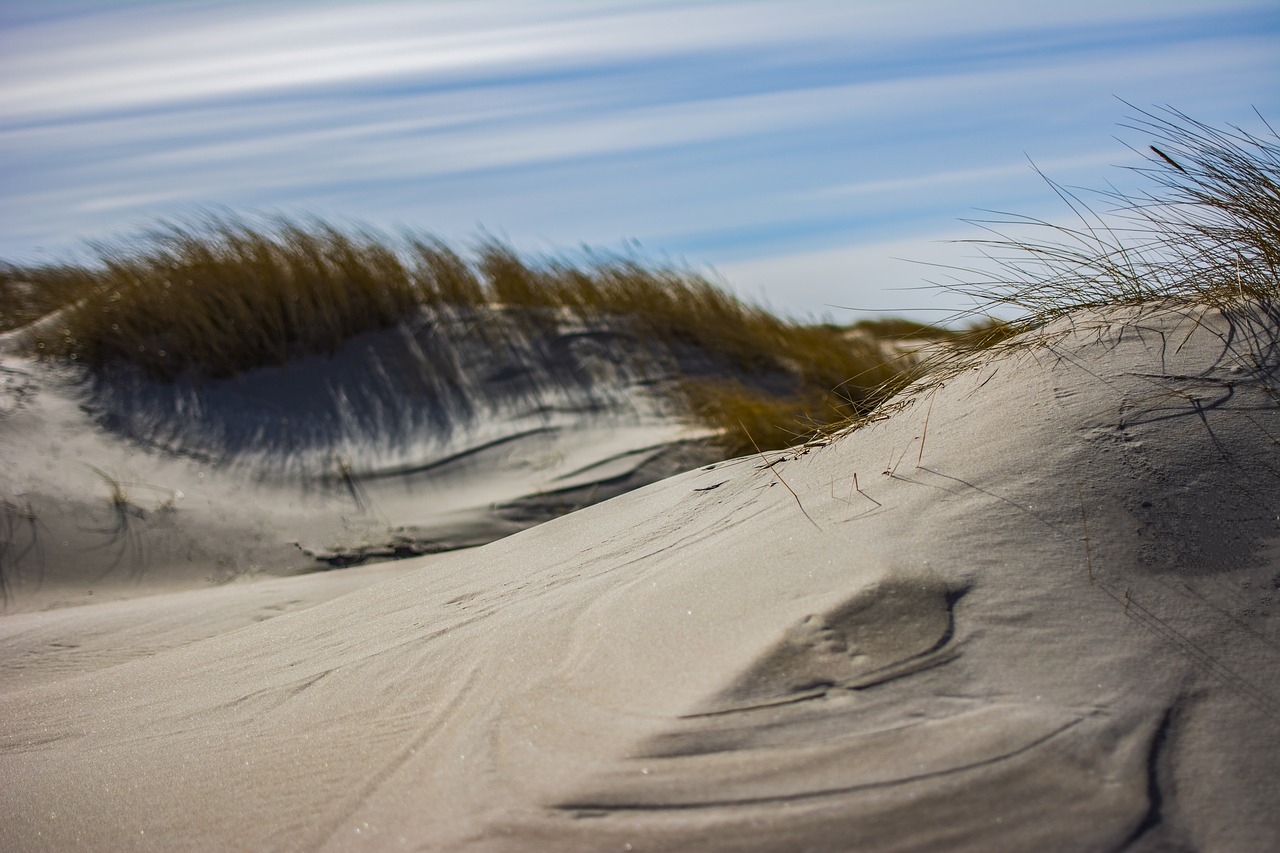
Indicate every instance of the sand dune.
{"type": "Point", "coordinates": [114, 485]}
{"type": "Point", "coordinates": [1045, 618]}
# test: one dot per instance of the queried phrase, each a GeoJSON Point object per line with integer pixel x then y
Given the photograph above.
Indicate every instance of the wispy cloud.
{"type": "Point", "coordinates": [144, 55]}
{"type": "Point", "coordinates": [727, 130]}
{"type": "Point", "coordinates": [936, 180]}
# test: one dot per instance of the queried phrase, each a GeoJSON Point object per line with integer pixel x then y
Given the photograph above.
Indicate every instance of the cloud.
{"type": "Point", "coordinates": [910, 275]}
{"type": "Point", "coordinates": [508, 126]}
{"type": "Point", "coordinates": [933, 180]}
{"type": "Point", "coordinates": [721, 129]}
{"type": "Point", "coordinates": [140, 56]}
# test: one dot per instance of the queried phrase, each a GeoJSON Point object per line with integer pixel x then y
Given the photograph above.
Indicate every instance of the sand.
{"type": "Point", "coordinates": [117, 486]}
{"type": "Point", "coordinates": [1033, 609]}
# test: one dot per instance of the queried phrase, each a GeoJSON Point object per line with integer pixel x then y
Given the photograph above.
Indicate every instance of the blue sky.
{"type": "Point", "coordinates": [815, 154]}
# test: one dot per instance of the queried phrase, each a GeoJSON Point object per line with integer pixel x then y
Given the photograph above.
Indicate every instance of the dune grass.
{"type": "Point", "coordinates": [1205, 232]}
{"type": "Point", "coordinates": [216, 297]}
{"type": "Point", "coordinates": [220, 296]}
{"type": "Point", "coordinates": [29, 293]}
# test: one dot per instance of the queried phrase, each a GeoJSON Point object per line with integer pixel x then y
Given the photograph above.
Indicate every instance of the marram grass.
{"type": "Point", "coordinates": [218, 297]}
{"type": "Point", "coordinates": [1205, 232]}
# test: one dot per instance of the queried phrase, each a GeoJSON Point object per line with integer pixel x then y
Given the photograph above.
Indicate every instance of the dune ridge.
{"type": "Point", "coordinates": [1033, 608]}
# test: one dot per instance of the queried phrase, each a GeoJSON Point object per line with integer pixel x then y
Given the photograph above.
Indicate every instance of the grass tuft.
{"type": "Point", "coordinates": [216, 297]}
{"type": "Point", "coordinates": [1206, 231]}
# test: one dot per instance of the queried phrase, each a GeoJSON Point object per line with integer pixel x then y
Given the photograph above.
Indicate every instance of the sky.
{"type": "Point", "coordinates": [820, 157]}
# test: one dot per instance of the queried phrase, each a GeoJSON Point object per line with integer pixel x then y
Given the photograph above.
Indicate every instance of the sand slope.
{"type": "Point", "coordinates": [449, 430]}
{"type": "Point", "coordinates": [1046, 620]}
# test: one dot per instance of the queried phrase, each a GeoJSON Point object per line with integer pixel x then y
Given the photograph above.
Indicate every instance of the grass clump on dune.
{"type": "Point", "coordinates": [224, 298]}
{"type": "Point", "coordinates": [1207, 232]}
{"type": "Point", "coordinates": [219, 297]}
{"type": "Point", "coordinates": [29, 293]}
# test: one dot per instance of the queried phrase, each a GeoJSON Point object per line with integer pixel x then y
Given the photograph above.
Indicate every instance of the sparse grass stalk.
{"type": "Point", "coordinates": [1207, 232]}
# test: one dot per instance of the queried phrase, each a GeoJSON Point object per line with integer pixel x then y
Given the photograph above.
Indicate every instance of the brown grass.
{"type": "Point", "coordinates": [217, 297]}
{"type": "Point", "coordinates": [1206, 232]}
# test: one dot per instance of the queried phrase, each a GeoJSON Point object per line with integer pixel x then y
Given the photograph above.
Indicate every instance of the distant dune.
{"type": "Point", "coordinates": [116, 484]}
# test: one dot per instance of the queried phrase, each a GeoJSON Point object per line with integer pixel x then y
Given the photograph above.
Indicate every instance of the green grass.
{"type": "Point", "coordinates": [217, 297]}
{"type": "Point", "coordinates": [749, 418]}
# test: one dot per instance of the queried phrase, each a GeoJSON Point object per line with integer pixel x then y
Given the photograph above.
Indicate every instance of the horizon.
{"type": "Point", "coordinates": [797, 149]}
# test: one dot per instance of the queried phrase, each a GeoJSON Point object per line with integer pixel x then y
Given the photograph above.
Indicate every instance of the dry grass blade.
{"type": "Point", "coordinates": [1207, 233]}
{"type": "Point", "coordinates": [770, 466]}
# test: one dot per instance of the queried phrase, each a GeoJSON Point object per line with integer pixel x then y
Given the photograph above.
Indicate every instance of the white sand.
{"type": "Point", "coordinates": [124, 487]}
{"type": "Point", "coordinates": [1047, 621]}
